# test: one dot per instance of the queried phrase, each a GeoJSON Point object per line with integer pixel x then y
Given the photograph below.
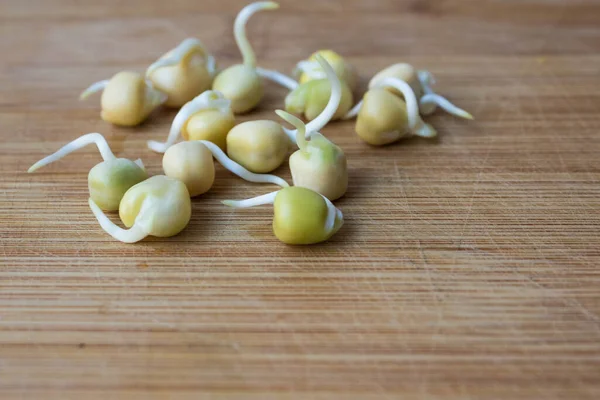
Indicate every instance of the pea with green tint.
{"type": "Point", "coordinates": [300, 216]}
{"type": "Point", "coordinates": [109, 180]}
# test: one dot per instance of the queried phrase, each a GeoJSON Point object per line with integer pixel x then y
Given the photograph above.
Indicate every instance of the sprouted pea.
{"type": "Point", "coordinates": [159, 206]}
{"type": "Point", "coordinates": [261, 146]}
{"type": "Point", "coordinates": [206, 117]}
{"type": "Point", "coordinates": [183, 73]}
{"type": "Point", "coordinates": [384, 117]}
{"type": "Point", "coordinates": [300, 215]}
{"type": "Point", "coordinates": [308, 70]}
{"type": "Point", "coordinates": [192, 163]}
{"type": "Point", "coordinates": [127, 99]}
{"type": "Point", "coordinates": [241, 83]}
{"type": "Point", "coordinates": [107, 181]}
{"type": "Point", "coordinates": [319, 164]}
{"type": "Point", "coordinates": [420, 82]}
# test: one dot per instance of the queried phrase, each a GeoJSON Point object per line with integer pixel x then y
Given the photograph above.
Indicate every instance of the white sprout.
{"type": "Point", "coordinates": [301, 141]}
{"type": "Point", "coordinates": [412, 107]}
{"type": "Point", "coordinates": [240, 171]}
{"type": "Point", "coordinates": [354, 111]}
{"type": "Point", "coordinates": [268, 198]}
{"type": "Point", "coordinates": [210, 99]}
{"type": "Point", "coordinates": [239, 29]}
{"type": "Point", "coordinates": [140, 164]}
{"type": "Point", "coordinates": [80, 142]}
{"type": "Point", "coordinates": [184, 48]}
{"type": "Point", "coordinates": [430, 100]}
{"type": "Point", "coordinates": [277, 77]}
{"type": "Point", "coordinates": [94, 88]}
{"type": "Point", "coordinates": [311, 68]}
{"type": "Point", "coordinates": [332, 213]}
{"type": "Point", "coordinates": [332, 105]}
{"type": "Point", "coordinates": [131, 235]}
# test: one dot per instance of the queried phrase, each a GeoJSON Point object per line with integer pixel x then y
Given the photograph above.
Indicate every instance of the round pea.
{"type": "Point", "coordinates": [109, 180]}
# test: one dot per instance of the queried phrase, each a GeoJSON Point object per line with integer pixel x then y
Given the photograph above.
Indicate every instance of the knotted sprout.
{"type": "Point", "coordinates": [384, 117]}
{"type": "Point", "coordinates": [107, 181]}
{"type": "Point", "coordinates": [192, 163]}
{"type": "Point", "coordinates": [207, 117]}
{"type": "Point", "coordinates": [241, 83]}
{"type": "Point", "coordinates": [183, 73]}
{"type": "Point", "coordinates": [308, 70]}
{"type": "Point", "coordinates": [420, 82]}
{"type": "Point", "coordinates": [127, 99]}
{"type": "Point", "coordinates": [301, 216]}
{"type": "Point", "coordinates": [159, 206]}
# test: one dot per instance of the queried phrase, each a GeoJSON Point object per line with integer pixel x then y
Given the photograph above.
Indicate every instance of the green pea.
{"type": "Point", "coordinates": [109, 180]}
{"type": "Point", "coordinates": [311, 98]}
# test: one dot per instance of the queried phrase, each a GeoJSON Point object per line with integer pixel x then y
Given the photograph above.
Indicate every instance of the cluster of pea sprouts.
{"type": "Point", "coordinates": [187, 77]}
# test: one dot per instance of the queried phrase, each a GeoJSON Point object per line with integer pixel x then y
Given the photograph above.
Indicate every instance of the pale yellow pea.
{"type": "Point", "coordinates": [127, 99]}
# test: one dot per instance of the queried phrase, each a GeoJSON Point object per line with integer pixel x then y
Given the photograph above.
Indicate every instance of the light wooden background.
{"type": "Point", "coordinates": [468, 267]}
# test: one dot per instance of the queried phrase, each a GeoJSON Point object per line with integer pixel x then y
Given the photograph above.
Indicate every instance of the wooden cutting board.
{"type": "Point", "coordinates": [468, 267]}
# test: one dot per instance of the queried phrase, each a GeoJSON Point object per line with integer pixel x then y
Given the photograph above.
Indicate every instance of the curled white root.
{"type": "Point", "coordinates": [182, 50]}
{"type": "Point", "coordinates": [132, 235]}
{"type": "Point", "coordinates": [94, 88]}
{"type": "Point", "coordinates": [80, 142]}
{"type": "Point", "coordinates": [240, 171]}
{"type": "Point", "coordinates": [430, 100]}
{"type": "Point", "coordinates": [239, 29]}
{"type": "Point", "coordinates": [209, 99]}
{"type": "Point", "coordinates": [268, 198]}
{"type": "Point", "coordinates": [332, 105]}
{"type": "Point", "coordinates": [277, 77]}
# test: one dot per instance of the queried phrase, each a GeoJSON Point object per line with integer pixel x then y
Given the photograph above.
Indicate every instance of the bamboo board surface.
{"type": "Point", "coordinates": [468, 267]}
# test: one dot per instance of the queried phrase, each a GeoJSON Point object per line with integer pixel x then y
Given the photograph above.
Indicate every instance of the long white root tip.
{"type": "Point", "coordinates": [93, 88]}
{"type": "Point", "coordinates": [132, 235]}
{"type": "Point", "coordinates": [277, 77]}
{"type": "Point", "coordinates": [239, 29]}
{"type": "Point", "coordinates": [240, 171]}
{"type": "Point", "coordinates": [412, 107]}
{"type": "Point", "coordinates": [80, 142]}
{"type": "Point", "coordinates": [429, 102]}
{"type": "Point", "coordinates": [210, 99]}
{"type": "Point", "coordinates": [268, 198]}
{"type": "Point", "coordinates": [177, 55]}
{"type": "Point", "coordinates": [334, 99]}
{"type": "Point", "coordinates": [354, 111]}
{"type": "Point", "coordinates": [300, 138]}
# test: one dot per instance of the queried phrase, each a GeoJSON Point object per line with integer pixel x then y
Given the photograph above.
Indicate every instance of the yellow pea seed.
{"type": "Point", "coordinates": [259, 146]}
